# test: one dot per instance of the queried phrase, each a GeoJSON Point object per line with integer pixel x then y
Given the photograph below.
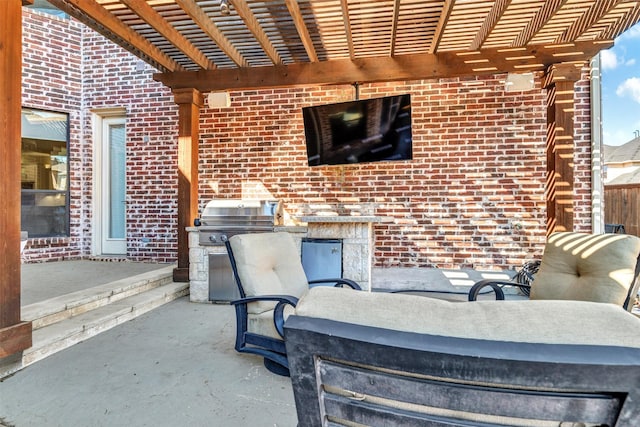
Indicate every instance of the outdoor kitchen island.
{"type": "Point", "coordinates": [354, 231]}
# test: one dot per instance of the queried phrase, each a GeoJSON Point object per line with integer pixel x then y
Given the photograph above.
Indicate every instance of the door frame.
{"type": "Point", "coordinates": [99, 118]}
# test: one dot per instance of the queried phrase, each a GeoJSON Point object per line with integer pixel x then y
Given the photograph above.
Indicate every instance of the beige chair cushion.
{"type": "Point", "coordinates": [542, 321]}
{"type": "Point", "coordinates": [587, 267]}
{"type": "Point", "coordinates": [263, 324]}
{"type": "Point", "coordinates": [268, 264]}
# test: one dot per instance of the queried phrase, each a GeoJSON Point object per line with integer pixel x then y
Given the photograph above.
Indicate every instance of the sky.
{"type": "Point", "coordinates": [620, 77]}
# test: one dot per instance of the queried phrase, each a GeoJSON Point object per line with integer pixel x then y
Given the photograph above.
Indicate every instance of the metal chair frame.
{"type": "Point", "coordinates": [271, 349]}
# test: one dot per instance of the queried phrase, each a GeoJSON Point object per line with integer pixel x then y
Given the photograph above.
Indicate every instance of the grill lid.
{"type": "Point", "coordinates": [241, 213]}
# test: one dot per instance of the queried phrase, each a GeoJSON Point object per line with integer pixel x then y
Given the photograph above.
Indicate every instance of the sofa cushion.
{"type": "Point", "coordinates": [542, 321]}
{"type": "Point", "coordinates": [268, 264]}
{"type": "Point", "coordinates": [587, 267]}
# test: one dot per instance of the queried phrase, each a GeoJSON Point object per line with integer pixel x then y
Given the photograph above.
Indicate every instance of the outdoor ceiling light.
{"type": "Point", "coordinates": [224, 7]}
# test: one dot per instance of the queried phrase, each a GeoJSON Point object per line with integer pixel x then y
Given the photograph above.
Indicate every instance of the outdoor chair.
{"type": "Point", "coordinates": [269, 274]}
{"type": "Point", "coordinates": [581, 266]}
{"type": "Point", "coordinates": [360, 358]}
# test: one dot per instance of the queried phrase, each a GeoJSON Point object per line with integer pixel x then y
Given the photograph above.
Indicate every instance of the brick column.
{"type": "Point", "coordinates": [189, 103]}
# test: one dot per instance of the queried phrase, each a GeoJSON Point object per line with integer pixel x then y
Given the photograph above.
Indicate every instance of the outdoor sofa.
{"type": "Point", "coordinates": [359, 358]}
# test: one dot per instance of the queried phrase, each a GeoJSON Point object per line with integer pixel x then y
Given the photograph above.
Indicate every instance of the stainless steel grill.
{"type": "Point", "coordinates": [224, 218]}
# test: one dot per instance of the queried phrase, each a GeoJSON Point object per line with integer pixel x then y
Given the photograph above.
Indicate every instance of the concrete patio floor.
{"type": "Point", "coordinates": [174, 366]}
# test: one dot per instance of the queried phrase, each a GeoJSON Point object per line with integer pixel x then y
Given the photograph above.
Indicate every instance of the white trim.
{"type": "Point", "coordinates": [96, 189]}
{"type": "Point", "coordinates": [597, 184]}
{"type": "Point", "coordinates": [109, 112]}
{"type": "Point", "coordinates": [99, 118]}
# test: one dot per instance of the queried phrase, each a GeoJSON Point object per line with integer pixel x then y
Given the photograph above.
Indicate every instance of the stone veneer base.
{"type": "Point", "coordinates": [355, 232]}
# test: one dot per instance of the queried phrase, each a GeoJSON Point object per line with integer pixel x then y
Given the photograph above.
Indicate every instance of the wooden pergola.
{"type": "Point", "coordinates": [198, 47]}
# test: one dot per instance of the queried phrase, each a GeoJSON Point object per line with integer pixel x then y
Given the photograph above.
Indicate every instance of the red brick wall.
{"type": "Point", "coordinates": [71, 69]}
{"type": "Point", "coordinates": [114, 78]}
{"type": "Point", "coordinates": [52, 80]}
{"type": "Point", "coordinates": [473, 196]}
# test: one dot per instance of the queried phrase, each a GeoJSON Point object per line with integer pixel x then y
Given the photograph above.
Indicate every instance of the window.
{"type": "Point", "coordinates": [44, 173]}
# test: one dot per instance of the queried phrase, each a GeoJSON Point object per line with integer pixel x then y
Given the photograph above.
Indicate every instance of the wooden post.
{"type": "Point", "coordinates": [559, 81]}
{"type": "Point", "coordinates": [189, 103]}
{"type": "Point", "coordinates": [15, 336]}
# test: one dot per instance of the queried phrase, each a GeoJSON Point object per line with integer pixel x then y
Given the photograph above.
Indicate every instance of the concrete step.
{"type": "Point", "coordinates": [63, 321]}
{"type": "Point", "coordinates": [56, 309]}
{"type": "Point", "coordinates": [57, 336]}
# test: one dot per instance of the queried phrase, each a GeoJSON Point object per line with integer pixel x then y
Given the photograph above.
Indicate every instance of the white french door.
{"type": "Point", "coordinates": [113, 209]}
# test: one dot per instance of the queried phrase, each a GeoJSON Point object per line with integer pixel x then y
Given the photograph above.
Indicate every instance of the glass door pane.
{"type": "Point", "coordinates": [112, 210]}
{"type": "Point", "coordinates": [117, 207]}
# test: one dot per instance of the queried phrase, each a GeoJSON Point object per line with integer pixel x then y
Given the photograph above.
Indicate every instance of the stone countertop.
{"type": "Point", "coordinates": [344, 218]}
{"type": "Point", "coordinates": [288, 228]}
{"type": "Point", "coordinates": [291, 228]}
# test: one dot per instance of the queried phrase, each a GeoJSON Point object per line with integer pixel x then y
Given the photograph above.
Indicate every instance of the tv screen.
{"type": "Point", "coordinates": [368, 130]}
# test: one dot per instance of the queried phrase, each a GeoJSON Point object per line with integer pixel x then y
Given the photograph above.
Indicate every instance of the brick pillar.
{"type": "Point", "coordinates": [559, 81]}
{"type": "Point", "coordinates": [15, 336]}
{"type": "Point", "coordinates": [189, 103]}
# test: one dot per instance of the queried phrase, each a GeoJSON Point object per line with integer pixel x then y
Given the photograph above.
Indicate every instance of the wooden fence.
{"type": "Point", "coordinates": [622, 206]}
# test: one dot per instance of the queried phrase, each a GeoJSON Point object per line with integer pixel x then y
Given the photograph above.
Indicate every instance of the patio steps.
{"type": "Point", "coordinates": [63, 321]}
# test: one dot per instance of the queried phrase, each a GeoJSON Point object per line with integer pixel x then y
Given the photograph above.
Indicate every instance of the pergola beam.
{"type": "Point", "coordinates": [404, 67]}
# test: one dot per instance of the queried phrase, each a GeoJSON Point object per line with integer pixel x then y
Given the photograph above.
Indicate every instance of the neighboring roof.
{"type": "Point", "coordinates": [46, 7]}
{"type": "Point", "coordinates": [626, 153]}
{"type": "Point", "coordinates": [270, 43]}
{"type": "Point", "coordinates": [627, 178]}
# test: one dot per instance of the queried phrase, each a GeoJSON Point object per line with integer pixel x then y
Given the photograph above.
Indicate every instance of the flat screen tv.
{"type": "Point", "coordinates": [367, 130]}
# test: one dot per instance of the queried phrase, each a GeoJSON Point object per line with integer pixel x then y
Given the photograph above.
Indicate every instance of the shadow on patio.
{"type": "Point", "coordinates": [173, 366]}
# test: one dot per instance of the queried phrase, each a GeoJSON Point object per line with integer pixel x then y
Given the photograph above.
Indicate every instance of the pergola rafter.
{"type": "Point", "coordinates": [201, 18]}
{"type": "Point", "coordinates": [176, 38]}
{"type": "Point", "coordinates": [543, 16]}
{"type": "Point", "coordinates": [93, 15]}
{"type": "Point", "coordinates": [493, 17]}
{"type": "Point", "coordinates": [245, 12]}
{"type": "Point", "coordinates": [303, 32]}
